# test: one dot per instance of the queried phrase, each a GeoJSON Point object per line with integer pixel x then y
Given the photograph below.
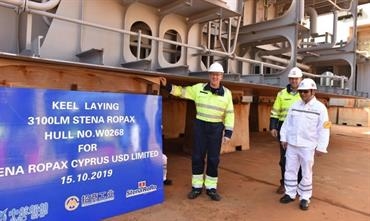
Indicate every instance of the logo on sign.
{"type": "Point", "coordinates": [141, 184]}
{"type": "Point", "coordinates": [72, 203]}
{"type": "Point", "coordinates": [97, 197]}
{"type": "Point", "coordinates": [142, 188]}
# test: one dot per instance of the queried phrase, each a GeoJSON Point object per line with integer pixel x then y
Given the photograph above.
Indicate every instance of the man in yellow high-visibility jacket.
{"type": "Point", "coordinates": [284, 99]}
{"type": "Point", "coordinates": [213, 125]}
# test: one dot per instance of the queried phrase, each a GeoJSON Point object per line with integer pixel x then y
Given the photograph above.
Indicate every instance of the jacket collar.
{"type": "Point", "coordinates": [290, 90]}
{"type": "Point", "coordinates": [218, 91]}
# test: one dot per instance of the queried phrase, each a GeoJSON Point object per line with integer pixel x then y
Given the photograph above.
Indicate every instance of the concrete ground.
{"type": "Point", "coordinates": [248, 180]}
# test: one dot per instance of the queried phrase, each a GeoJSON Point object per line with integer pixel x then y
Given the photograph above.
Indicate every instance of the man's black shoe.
{"type": "Point", "coordinates": [212, 193]}
{"type": "Point", "coordinates": [286, 199]}
{"type": "Point", "coordinates": [167, 182]}
{"type": "Point", "coordinates": [303, 204]}
{"type": "Point", "coordinates": [194, 193]}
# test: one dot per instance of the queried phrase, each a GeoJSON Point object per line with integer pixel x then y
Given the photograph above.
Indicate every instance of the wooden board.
{"type": "Point", "coordinates": [26, 74]}
{"type": "Point", "coordinates": [173, 117]}
{"type": "Point", "coordinates": [354, 116]}
{"type": "Point", "coordinates": [240, 138]}
{"type": "Point", "coordinates": [333, 114]}
{"type": "Point", "coordinates": [264, 110]}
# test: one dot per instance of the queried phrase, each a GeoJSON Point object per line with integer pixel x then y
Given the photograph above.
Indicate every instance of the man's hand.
{"type": "Point", "coordinates": [274, 132]}
{"type": "Point", "coordinates": [225, 140]}
{"type": "Point", "coordinates": [163, 81]}
{"type": "Point", "coordinates": [284, 144]}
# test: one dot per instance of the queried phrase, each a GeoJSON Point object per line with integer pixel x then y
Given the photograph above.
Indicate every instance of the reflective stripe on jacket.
{"type": "Point", "coordinates": [209, 107]}
{"type": "Point", "coordinates": [282, 103]}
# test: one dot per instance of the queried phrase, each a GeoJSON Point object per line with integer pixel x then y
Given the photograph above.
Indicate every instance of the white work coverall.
{"type": "Point", "coordinates": [305, 129]}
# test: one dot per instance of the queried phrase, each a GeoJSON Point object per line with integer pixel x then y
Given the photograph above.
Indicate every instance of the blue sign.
{"type": "Point", "coordinates": [72, 155]}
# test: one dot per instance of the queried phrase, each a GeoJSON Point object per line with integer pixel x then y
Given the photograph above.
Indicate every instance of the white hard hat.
{"type": "Point", "coordinates": [295, 73]}
{"type": "Point", "coordinates": [307, 84]}
{"type": "Point", "coordinates": [216, 67]}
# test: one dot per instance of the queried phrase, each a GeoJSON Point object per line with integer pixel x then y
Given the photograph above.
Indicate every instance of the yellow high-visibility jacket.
{"type": "Point", "coordinates": [212, 105]}
{"type": "Point", "coordinates": [283, 101]}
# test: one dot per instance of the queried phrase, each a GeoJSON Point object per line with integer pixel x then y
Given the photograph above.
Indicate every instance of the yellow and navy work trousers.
{"type": "Point", "coordinates": [207, 142]}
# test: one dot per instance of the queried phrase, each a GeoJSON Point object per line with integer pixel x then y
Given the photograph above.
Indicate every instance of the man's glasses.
{"type": "Point", "coordinates": [303, 91]}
